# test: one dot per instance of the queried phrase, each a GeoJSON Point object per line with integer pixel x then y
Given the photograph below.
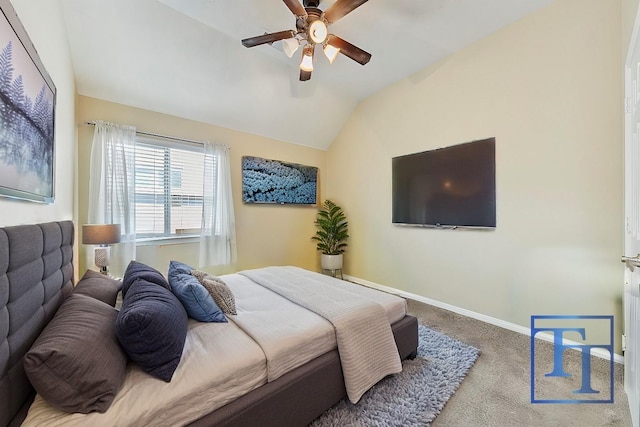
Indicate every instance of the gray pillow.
{"type": "Point", "coordinates": [99, 286]}
{"type": "Point", "coordinates": [76, 363]}
{"type": "Point", "coordinates": [218, 290]}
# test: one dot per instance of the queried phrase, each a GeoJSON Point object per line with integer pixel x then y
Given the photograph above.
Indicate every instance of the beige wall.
{"type": "Point", "coordinates": [266, 234]}
{"type": "Point", "coordinates": [43, 21]}
{"type": "Point", "coordinates": [629, 11]}
{"type": "Point", "coordinates": [549, 89]}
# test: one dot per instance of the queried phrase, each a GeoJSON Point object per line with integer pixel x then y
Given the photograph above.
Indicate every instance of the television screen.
{"type": "Point", "coordinates": [448, 187]}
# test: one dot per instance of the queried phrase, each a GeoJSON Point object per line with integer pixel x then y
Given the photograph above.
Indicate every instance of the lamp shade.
{"type": "Point", "coordinates": [307, 58]}
{"type": "Point", "coordinates": [290, 46]}
{"type": "Point", "coordinates": [331, 52]}
{"type": "Point", "coordinates": [100, 234]}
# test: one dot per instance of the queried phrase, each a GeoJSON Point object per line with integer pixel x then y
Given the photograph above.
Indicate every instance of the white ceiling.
{"type": "Point", "coordinates": [184, 57]}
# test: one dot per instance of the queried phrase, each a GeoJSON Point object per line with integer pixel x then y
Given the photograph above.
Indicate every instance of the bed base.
{"type": "Point", "coordinates": [300, 396]}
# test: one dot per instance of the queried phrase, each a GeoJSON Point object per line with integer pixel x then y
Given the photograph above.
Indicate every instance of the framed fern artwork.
{"type": "Point", "coordinates": [27, 113]}
{"type": "Point", "coordinates": [273, 181]}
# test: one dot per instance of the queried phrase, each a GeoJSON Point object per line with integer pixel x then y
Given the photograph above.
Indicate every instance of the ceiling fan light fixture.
{"type": "Point", "coordinates": [307, 58]}
{"type": "Point", "coordinates": [331, 52]}
{"type": "Point", "coordinates": [290, 46]}
{"type": "Point", "coordinates": [318, 31]}
{"type": "Point", "coordinates": [311, 30]}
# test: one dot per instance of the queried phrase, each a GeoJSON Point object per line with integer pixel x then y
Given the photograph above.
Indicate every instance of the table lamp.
{"type": "Point", "coordinates": [102, 235]}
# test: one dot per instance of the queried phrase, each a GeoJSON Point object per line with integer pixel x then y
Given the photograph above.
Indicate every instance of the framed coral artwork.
{"type": "Point", "coordinates": [27, 113]}
{"type": "Point", "coordinates": [273, 181]}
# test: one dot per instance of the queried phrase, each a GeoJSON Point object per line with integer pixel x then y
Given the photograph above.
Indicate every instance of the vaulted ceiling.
{"type": "Point", "coordinates": [184, 57]}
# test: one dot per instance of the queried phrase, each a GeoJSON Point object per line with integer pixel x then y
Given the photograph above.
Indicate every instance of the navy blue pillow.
{"type": "Point", "coordinates": [151, 328]}
{"type": "Point", "coordinates": [137, 270]}
{"type": "Point", "coordinates": [194, 297]}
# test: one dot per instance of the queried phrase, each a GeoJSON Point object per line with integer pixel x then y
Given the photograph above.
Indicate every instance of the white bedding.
{"type": "Point", "coordinates": [395, 306]}
{"type": "Point", "coordinates": [367, 349]}
{"type": "Point", "coordinates": [275, 323]}
{"type": "Point", "coordinates": [221, 361]}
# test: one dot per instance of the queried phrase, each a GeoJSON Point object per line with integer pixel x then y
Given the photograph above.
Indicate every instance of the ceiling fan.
{"type": "Point", "coordinates": [311, 29]}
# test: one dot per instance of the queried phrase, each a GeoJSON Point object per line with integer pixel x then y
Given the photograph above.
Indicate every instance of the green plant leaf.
{"type": "Point", "coordinates": [332, 229]}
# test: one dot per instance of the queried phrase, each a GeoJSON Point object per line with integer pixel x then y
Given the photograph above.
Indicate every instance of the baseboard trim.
{"type": "Point", "coordinates": [617, 358]}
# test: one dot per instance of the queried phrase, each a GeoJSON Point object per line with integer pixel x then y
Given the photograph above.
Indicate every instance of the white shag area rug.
{"type": "Point", "coordinates": [416, 395]}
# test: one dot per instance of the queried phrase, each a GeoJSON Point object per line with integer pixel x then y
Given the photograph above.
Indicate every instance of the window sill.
{"type": "Point", "coordinates": [167, 240]}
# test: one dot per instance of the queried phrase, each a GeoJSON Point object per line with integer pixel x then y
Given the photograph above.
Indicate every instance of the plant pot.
{"type": "Point", "coordinates": [331, 262]}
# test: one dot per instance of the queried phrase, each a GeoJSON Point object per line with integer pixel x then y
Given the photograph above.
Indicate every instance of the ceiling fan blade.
{"type": "Point", "coordinates": [268, 38]}
{"type": "Point", "coordinates": [341, 8]}
{"type": "Point", "coordinates": [295, 7]}
{"type": "Point", "coordinates": [305, 75]}
{"type": "Point", "coordinates": [349, 50]}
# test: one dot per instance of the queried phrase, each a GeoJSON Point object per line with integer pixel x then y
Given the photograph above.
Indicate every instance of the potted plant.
{"type": "Point", "coordinates": [331, 235]}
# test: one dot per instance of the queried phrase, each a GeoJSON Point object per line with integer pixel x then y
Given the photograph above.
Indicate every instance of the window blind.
{"type": "Point", "coordinates": [168, 187]}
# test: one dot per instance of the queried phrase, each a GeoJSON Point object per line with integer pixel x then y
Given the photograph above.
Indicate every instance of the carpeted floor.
{"type": "Point", "coordinates": [496, 391]}
{"type": "Point", "coordinates": [415, 396]}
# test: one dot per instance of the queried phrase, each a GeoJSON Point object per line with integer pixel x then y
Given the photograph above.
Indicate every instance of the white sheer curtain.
{"type": "Point", "coordinates": [218, 238]}
{"type": "Point", "coordinates": [112, 188]}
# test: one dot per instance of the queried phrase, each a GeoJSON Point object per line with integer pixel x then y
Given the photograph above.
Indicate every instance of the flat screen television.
{"type": "Point", "coordinates": [448, 187]}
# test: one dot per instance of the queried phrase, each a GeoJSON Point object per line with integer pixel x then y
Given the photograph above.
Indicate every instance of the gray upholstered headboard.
{"type": "Point", "coordinates": [36, 273]}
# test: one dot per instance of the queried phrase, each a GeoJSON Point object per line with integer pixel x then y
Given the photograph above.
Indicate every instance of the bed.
{"type": "Point", "coordinates": [36, 276]}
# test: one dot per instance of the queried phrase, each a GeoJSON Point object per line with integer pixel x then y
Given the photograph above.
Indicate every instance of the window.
{"type": "Point", "coordinates": [168, 188]}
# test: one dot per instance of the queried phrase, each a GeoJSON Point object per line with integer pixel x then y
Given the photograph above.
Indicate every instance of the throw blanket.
{"type": "Point", "coordinates": [365, 341]}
